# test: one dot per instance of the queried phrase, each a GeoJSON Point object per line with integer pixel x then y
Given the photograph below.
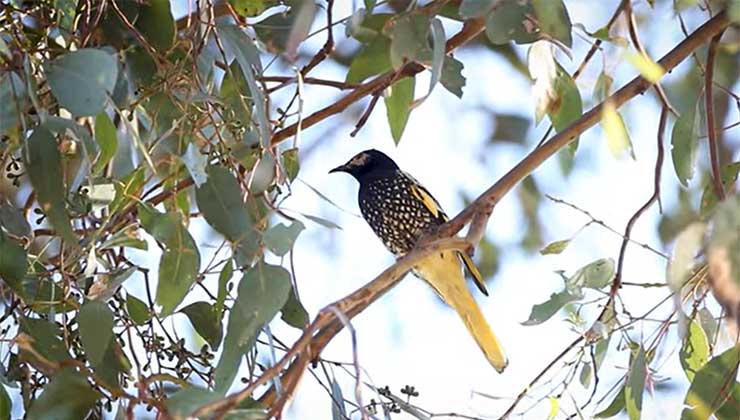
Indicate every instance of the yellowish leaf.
{"type": "Point", "coordinates": [648, 68]}
{"type": "Point", "coordinates": [617, 136]}
{"type": "Point", "coordinates": [554, 408]}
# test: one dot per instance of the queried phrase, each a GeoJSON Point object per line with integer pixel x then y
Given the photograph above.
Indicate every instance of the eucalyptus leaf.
{"type": "Point", "coordinates": [67, 396]}
{"type": "Point", "coordinates": [206, 321]}
{"type": "Point", "coordinates": [398, 106]}
{"type": "Point", "coordinates": [635, 385]}
{"type": "Point", "coordinates": [544, 311]}
{"type": "Point", "coordinates": [82, 80]}
{"type": "Point", "coordinates": [709, 389]}
{"type": "Point", "coordinates": [694, 352]}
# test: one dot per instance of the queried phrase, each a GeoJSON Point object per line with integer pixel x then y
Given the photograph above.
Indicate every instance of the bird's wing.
{"type": "Point", "coordinates": [444, 273]}
{"type": "Point", "coordinates": [421, 194]}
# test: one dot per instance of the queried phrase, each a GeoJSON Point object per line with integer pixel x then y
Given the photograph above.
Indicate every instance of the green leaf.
{"type": "Point", "coordinates": [248, 57]}
{"type": "Point", "coordinates": [374, 58]}
{"type": "Point", "coordinates": [45, 170]}
{"type": "Point", "coordinates": [615, 407]}
{"type": "Point", "coordinates": [15, 101]}
{"type": "Point", "coordinates": [291, 163]}
{"type": "Point", "coordinates": [475, 8]}
{"type": "Point", "coordinates": [338, 410]}
{"type": "Point", "coordinates": [555, 247]}
{"type": "Point", "coordinates": [635, 385]}
{"type": "Point", "coordinates": [452, 78]}
{"type": "Point", "coordinates": [684, 140]}
{"type": "Point", "coordinates": [206, 321]}
{"type": "Point", "coordinates": [67, 397]}
{"type": "Point", "coordinates": [128, 188]}
{"type": "Point", "coordinates": [438, 58]}
{"type": "Point", "coordinates": [553, 19]}
{"type": "Point", "coordinates": [409, 39]}
{"type": "Point", "coordinates": [280, 238]}
{"type": "Point", "coordinates": [183, 403]}
{"type": "Point", "coordinates": [180, 261]}
{"type": "Point", "coordinates": [6, 405]}
{"type": "Point", "coordinates": [105, 136]}
{"type": "Point", "coordinates": [46, 339]}
{"type": "Point", "coordinates": [688, 243]}
{"type": "Point", "coordinates": [304, 16]}
{"type": "Point", "coordinates": [82, 80]}
{"type": "Point", "coordinates": [694, 352]}
{"type": "Point", "coordinates": [156, 24]}
{"type": "Point", "coordinates": [126, 237]}
{"type": "Point", "coordinates": [293, 312]}
{"type": "Point", "coordinates": [507, 23]}
{"type": "Point", "coordinates": [137, 310]}
{"type": "Point", "coordinates": [261, 294]}
{"type": "Point", "coordinates": [731, 407]}
{"type": "Point", "coordinates": [251, 8]}
{"type": "Point", "coordinates": [220, 201]}
{"type": "Point", "coordinates": [223, 279]}
{"type": "Point", "coordinates": [13, 221]}
{"type": "Point", "coordinates": [544, 311]}
{"type": "Point", "coordinates": [96, 330]}
{"type": "Point", "coordinates": [595, 275]}
{"type": "Point", "coordinates": [13, 262]}
{"type": "Point", "coordinates": [728, 176]}
{"type": "Point", "coordinates": [398, 106]}
{"type": "Point", "coordinates": [711, 385]}
{"type": "Point", "coordinates": [567, 106]}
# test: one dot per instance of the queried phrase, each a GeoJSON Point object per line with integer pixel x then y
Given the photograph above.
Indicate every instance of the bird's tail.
{"type": "Point", "coordinates": [444, 273]}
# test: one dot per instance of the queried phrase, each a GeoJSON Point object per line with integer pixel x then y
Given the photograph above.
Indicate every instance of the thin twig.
{"type": "Point", "coordinates": [711, 133]}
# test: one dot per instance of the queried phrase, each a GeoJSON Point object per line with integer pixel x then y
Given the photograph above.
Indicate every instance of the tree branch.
{"type": "Point", "coordinates": [711, 132]}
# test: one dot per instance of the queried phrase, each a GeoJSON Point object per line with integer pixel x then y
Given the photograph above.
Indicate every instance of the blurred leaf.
{"type": "Point", "coordinates": [13, 221]}
{"type": "Point", "coordinates": [409, 34]}
{"type": "Point", "coordinates": [321, 221]}
{"type": "Point", "coordinates": [708, 322]}
{"type": "Point", "coordinates": [96, 330]}
{"type": "Point", "coordinates": [248, 57]}
{"type": "Point", "coordinates": [724, 255]}
{"type": "Point", "coordinates": [338, 410]}
{"type": "Point", "coordinates": [595, 275]}
{"type": "Point", "coordinates": [544, 311]}
{"type": "Point", "coordinates": [137, 310]}
{"type": "Point", "coordinates": [293, 312]}
{"type": "Point", "coordinates": [438, 58]}
{"type": "Point", "coordinates": [555, 247]}
{"type": "Point", "coordinates": [615, 407]}
{"type": "Point", "coordinates": [183, 403]}
{"type": "Point", "coordinates": [156, 24]}
{"type": "Point", "coordinates": [617, 136]}
{"type": "Point", "coordinates": [635, 385]}
{"type": "Point", "coordinates": [206, 321]}
{"type": "Point", "coordinates": [291, 163]}
{"type": "Point", "coordinates": [684, 139]}
{"type": "Point", "coordinates": [105, 136]}
{"type": "Point", "coordinates": [262, 293]}
{"type": "Point", "coordinates": [475, 8]}
{"type": "Point", "coordinates": [688, 243]}
{"type": "Point", "coordinates": [13, 262]}
{"type": "Point", "coordinates": [6, 405]}
{"type": "Point", "coordinates": [45, 170]}
{"type": "Point", "coordinates": [180, 261]}
{"type": "Point", "coordinates": [195, 162]}
{"type": "Point", "coordinates": [82, 80]}
{"type": "Point", "coordinates": [554, 407]}
{"type": "Point", "coordinates": [280, 238]}
{"type": "Point", "coordinates": [373, 58]}
{"type": "Point", "coordinates": [275, 31]}
{"type": "Point", "coordinates": [13, 96]}
{"type": "Point", "coordinates": [509, 22]}
{"type": "Point", "coordinates": [510, 127]}
{"type": "Point", "coordinates": [731, 407]}
{"type": "Point", "coordinates": [398, 106]}
{"type": "Point", "coordinates": [710, 387]}
{"type": "Point", "coordinates": [67, 397]}
{"type": "Point", "coordinates": [304, 16]}
{"type": "Point", "coordinates": [649, 69]}
{"type": "Point", "coordinates": [251, 8]}
{"type": "Point", "coordinates": [694, 352]}
{"type": "Point", "coordinates": [46, 341]}
{"type": "Point", "coordinates": [128, 188]}
{"type": "Point", "coordinates": [223, 279]}
{"type": "Point", "coordinates": [603, 87]}
{"type": "Point", "coordinates": [728, 176]}
{"type": "Point", "coordinates": [567, 106]}
{"type": "Point", "coordinates": [126, 237]}
{"type": "Point", "coordinates": [553, 19]}
{"type": "Point", "coordinates": [107, 284]}
{"type": "Point", "coordinates": [452, 78]}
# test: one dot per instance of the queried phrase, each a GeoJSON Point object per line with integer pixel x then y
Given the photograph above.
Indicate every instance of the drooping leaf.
{"type": "Point", "coordinates": [688, 242]}
{"type": "Point", "coordinates": [291, 163]}
{"type": "Point", "coordinates": [635, 385]}
{"type": "Point", "coordinates": [712, 385]}
{"type": "Point", "coordinates": [96, 330]}
{"type": "Point", "coordinates": [452, 78]}
{"type": "Point", "coordinates": [137, 310]}
{"type": "Point", "coordinates": [373, 58]}
{"type": "Point", "coordinates": [723, 254]}
{"type": "Point", "coordinates": [156, 24]}
{"type": "Point", "coordinates": [409, 39]}
{"type": "Point", "coordinates": [206, 321]}
{"type": "Point", "coordinates": [338, 410]}
{"type": "Point", "coordinates": [293, 312]}
{"type": "Point", "coordinates": [684, 139]}
{"type": "Point", "coordinates": [649, 69]}
{"type": "Point", "coordinates": [304, 16]}
{"type": "Point", "coordinates": [14, 98]}
{"type": "Point", "coordinates": [261, 294]}
{"type": "Point", "coordinates": [45, 340]}
{"type": "Point", "coordinates": [615, 407]}
{"type": "Point", "coordinates": [105, 136]}
{"type": "Point", "coordinates": [438, 58]}
{"type": "Point", "coordinates": [196, 163]}
{"type": "Point", "coordinates": [544, 311]}
{"type": "Point", "coordinates": [45, 170]}
{"type": "Point", "coordinates": [553, 19]}
{"type": "Point", "coordinates": [694, 352]}
{"type": "Point", "coordinates": [223, 279]}
{"type": "Point", "coordinates": [617, 137]}
{"type": "Point", "coordinates": [728, 177]}
{"type": "Point", "coordinates": [13, 262]}
{"type": "Point", "coordinates": [13, 221]}
{"type": "Point", "coordinates": [67, 397]}
{"type": "Point", "coordinates": [567, 105]}
{"type": "Point", "coordinates": [280, 238]}
{"type": "Point", "coordinates": [398, 106]}
{"type": "Point", "coordinates": [82, 80]}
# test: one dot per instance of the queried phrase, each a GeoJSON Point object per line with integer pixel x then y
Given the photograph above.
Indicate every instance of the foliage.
{"type": "Point", "coordinates": [122, 123]}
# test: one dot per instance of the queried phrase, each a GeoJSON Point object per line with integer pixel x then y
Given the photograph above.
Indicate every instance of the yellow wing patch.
{"type": "Point", "coordinates": [429, 202]}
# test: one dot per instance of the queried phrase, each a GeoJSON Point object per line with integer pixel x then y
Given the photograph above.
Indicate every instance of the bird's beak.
{"type": "Point", "coordinates": [340, 168]}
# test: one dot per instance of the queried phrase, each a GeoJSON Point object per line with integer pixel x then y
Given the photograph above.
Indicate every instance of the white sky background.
{"type": "Point", "coordinates": [409, 337]}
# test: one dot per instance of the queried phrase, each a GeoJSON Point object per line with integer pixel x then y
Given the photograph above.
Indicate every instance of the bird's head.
{"type": "Point", "coordinates": [368, 163]}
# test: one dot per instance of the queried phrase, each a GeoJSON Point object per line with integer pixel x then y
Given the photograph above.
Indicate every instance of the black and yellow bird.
{"type": "Point", "coordinates": [400, 211]}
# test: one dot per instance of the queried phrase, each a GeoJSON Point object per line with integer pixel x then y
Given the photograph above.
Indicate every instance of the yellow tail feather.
{"type": "Point", "coordinates": [444, 273]}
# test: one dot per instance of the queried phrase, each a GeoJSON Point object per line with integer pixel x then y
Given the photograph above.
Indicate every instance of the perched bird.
{"type": "Point", "coordinates": [400, 211]}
